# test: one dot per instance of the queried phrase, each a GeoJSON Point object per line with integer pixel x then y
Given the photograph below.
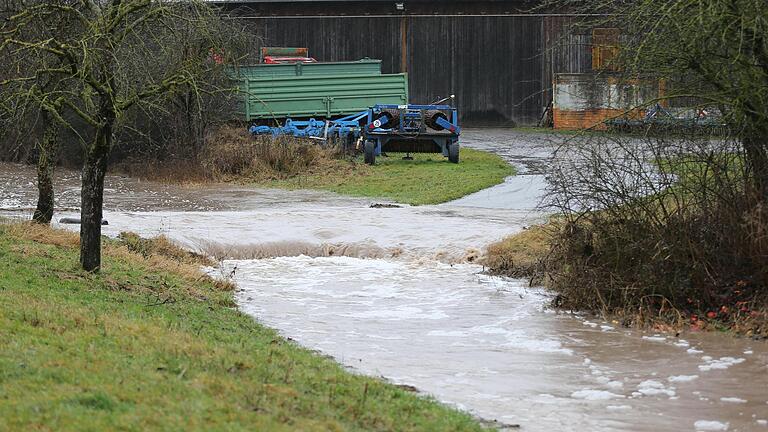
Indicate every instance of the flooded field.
{"type": "Point", "coordinates": [393, 292]}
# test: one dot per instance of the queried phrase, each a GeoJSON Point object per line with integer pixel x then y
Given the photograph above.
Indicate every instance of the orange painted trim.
{"type": "Point", "coordinates": [588, 119]}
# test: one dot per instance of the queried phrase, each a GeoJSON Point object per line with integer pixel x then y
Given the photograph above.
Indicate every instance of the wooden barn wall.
{"type": "Point", "coordinates": [500, 68]}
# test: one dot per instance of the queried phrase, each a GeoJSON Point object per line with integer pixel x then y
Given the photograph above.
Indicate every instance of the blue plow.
{"type": "Point", "coordinates": [384, 128]}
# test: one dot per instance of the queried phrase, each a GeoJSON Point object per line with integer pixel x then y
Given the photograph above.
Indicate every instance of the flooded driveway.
{"type": "Point", "coordinates": [393, 292]}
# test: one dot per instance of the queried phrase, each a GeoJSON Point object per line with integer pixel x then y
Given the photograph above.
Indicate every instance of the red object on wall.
{"type": "Point", "coordinates": [283, 60]}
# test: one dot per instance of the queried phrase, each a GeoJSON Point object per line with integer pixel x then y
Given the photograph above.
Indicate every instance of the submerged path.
{"type": "Point", "coordinates": [393, 292]}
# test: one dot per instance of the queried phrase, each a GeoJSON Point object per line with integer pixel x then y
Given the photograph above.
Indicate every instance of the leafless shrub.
{"type": "Point", "coordinates": [234, 152]}
{"type": "Point", "coordinates": [658, 228]}
{"type": "Point", "coordinates": [231, 153]}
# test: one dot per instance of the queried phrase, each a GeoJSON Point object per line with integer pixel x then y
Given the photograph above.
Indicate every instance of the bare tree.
{"type": "Point", "coordinates": [670, 222]}
{"type": "Point", "coordinates": [19, 108]}
{"type": "Point", "coordinates": [714, 51]}
{"type": "Point", "coordinates": [46, 164]}
{"type": "Point", "coordinates": [100, 75]}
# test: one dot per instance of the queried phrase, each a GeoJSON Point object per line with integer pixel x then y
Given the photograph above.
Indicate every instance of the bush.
{"type": "Point", "coordinates": [231, 152]}
{"type": "Point", "coordinates": [524, 254]}
{"type": "Point", "coordinates": [660, 230]}
{"type": "Point", "coordinates": [235, 152]}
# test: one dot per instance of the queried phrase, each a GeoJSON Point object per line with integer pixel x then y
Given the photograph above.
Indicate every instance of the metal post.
{"type": "Point", "coordinates": [404, 44]}
{"type": "Point", "coordinates": [247, 97]}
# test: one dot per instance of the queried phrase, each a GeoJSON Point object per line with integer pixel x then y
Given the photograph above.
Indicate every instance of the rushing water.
{"type": "Point", "coordinates": [393, 292]}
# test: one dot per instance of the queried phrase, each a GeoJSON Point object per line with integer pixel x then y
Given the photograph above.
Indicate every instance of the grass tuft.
{"type": "Point", "coordinates": [97, 401]}
{"type": "Point", "coordinates": [522, 255]}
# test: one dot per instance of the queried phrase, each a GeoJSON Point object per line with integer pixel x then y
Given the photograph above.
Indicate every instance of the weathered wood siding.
{"type": "Point", "coordinates": [500, 68]}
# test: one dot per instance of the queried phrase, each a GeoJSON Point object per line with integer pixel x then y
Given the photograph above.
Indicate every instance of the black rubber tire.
{"type": "Point", "coordinates": [370, 155]}
{"type": "Point", "coordinates": [394, 118]}
{"type": "Point", "coordinates": [453, 153]}
{"type": "Point", "coordinates": [430, 119]}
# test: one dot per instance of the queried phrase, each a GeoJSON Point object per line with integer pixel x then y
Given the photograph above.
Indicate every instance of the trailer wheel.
{"type": "Point", "coordinates": [453, 152]}
{"type": "Point", "coordinates": [370, 155]}
{"type": "Point", "coordinates": [430, 118]}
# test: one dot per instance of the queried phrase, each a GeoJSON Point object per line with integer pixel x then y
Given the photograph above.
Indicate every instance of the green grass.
{"type": "Point", "coordinates": [145, 345]}
{"type": "Point", "coordinates": [428, 179]}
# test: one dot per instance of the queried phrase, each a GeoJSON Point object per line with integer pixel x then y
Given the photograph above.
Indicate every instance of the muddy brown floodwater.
{"type": "Point", "coordinates": [392, 292]}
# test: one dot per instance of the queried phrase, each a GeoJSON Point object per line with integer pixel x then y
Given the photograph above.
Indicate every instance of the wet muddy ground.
{"type": "Point", "coordinates": [392, 292]}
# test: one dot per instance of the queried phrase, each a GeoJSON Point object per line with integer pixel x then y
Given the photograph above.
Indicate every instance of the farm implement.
{"type": "Point", "coordinates": [383, 128]}
{"type": "Point", "coordinates": [658, 119]}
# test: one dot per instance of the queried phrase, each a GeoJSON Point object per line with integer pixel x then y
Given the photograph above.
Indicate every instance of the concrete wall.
{"type": "Point", "coordinates": [586, 100]}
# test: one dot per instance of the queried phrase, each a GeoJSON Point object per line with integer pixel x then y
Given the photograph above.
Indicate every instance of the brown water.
{"type": "Point", "coordinates": [391, 292]}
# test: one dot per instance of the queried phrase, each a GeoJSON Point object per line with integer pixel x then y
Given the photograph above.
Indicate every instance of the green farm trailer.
{"type": "Point", "coordinates": [304, 90]}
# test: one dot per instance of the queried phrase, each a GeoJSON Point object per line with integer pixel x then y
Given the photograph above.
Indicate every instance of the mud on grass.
{"type": "Point", "coordinates": [149, 345]}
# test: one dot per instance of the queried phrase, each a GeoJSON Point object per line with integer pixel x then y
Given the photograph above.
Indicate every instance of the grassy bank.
{"type": "Point", "coordinates": [152, 344]}
{"type": "Point", "coordinates": [522, 255]}
{"type": "Point", "coordinates": [233, 155]}
{"type": "Point", "coordinates": [428, 179]}
{"type": "Point", "coordinates": [561, 256]}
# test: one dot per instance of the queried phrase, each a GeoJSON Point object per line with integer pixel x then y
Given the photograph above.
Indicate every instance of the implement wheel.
{"type": "Point", "coordinates": [370, 152]}
{"type": "Point", "coordinates": [453, 152]}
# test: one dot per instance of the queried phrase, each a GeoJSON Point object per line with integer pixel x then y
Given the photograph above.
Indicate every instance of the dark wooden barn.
{"type": "Point", "coordinates": [498, 57]}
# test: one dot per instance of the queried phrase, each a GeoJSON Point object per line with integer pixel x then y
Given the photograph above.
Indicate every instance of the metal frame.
{"type": "Point", "coordinates": [396, 128]}
{"type": "Point", "coordinates": [411, 126]}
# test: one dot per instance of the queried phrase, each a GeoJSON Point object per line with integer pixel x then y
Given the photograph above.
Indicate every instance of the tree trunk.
{"type": "Point", "coordinates": [46, 164]}
{"type": "Point", "coordinates": [755, 140]}
{"type": "Point", "coordinates": [92, 199]}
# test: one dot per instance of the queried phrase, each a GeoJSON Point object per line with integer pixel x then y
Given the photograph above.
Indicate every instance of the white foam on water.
{"type": "Point", "coordinates": [447, 333]}
{"type": "Point", "coordinates": [732, 399]}
{"type": "Point", "coordinates": [594, 395]}
{"type": "Point", "coordinates": [11, 203]}
{"type": "Point", "coordinates": [400, 313]}
{"type": "Point", "coordinates": [762, 422]}
{"type": "Point", "coordinates": [694, 351]}
{"type": "Point", "coordinates": [710, 426]}
{"type": "Point", "coordinates": [719, 364]}
{"type": "Point", "coordinates": [606, 328]}
{"type": "Point", "coordinates": [654, 388]}
{"type": "Point", "coordinates": [748, 352]}
{"type": "Point", "coordinates": [682, 378]}
{"type": "Point", "coordinates": [540, 345]}
{"type": "Point", "coordinates": [618, 407]}
{"type": "Point", "coordinates": [655, 338]}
